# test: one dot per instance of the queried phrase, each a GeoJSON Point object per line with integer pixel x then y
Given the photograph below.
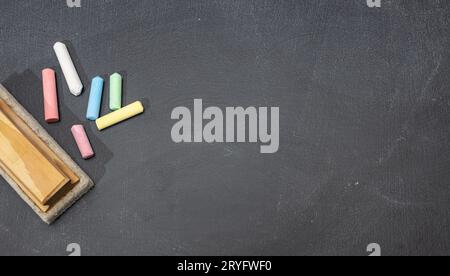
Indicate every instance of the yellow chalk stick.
{"type": "Point", "coordinates": [120, 115]}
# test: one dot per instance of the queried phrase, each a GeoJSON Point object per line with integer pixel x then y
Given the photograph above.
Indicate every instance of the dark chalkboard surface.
{"type": "Point", "coordinates": [364, 126]}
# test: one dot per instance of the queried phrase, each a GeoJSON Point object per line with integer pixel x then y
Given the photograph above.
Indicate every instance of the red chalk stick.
{"type": "Point", "coordinates": [51, 110]}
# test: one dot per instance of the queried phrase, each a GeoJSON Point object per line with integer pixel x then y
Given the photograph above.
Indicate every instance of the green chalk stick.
{"type": "Point", "coordinates": [115, 92]}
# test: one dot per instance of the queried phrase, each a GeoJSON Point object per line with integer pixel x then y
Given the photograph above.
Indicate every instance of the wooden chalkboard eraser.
{"type": "Point", "coordinates": [34, 165]}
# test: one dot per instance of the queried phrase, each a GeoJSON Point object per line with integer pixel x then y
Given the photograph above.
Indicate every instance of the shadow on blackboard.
{"type": "Point", "coordinates": [26, 87]}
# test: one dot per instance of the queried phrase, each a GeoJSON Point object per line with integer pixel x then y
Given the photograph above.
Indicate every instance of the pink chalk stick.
{"type": "Point", "coordinates": [50, 96]}
{"type": "Point", "coordinates": [82, 140]}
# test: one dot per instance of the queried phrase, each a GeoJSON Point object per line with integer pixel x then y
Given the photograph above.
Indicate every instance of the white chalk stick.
{"type": "Point", "coordinates": [68, 68]}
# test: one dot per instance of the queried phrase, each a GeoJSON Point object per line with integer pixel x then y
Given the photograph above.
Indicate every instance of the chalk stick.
{"type": "Point", "coordinates": [95, 99]}
{"type": "Point", "coordinates": [115, 92]}
{"type": "Point", "coordinates": [68, 68]}
{"type": "Point", "coordinates": [82, 141]}
{"type": "Point", "coordinates": [120, 115]}
{"type": "Point", "coordinates": [51, 110]}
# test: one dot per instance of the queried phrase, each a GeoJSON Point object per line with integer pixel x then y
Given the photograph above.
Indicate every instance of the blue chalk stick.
{"type": "Point", "coordinates": [95, 99]}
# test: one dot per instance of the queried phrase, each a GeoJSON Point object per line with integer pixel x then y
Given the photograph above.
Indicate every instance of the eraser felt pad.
{"type": "Point", "coordinates": [84, 184]}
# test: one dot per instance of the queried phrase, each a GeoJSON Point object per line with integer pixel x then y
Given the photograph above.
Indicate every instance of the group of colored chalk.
{"type": "Point", "coordinates": [119, 113]}
{"type": "Point", "coordinates": [51, 109]}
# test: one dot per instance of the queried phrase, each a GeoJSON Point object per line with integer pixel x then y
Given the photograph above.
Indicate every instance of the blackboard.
{"type": "Point", "coordinates": [364, 122]}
